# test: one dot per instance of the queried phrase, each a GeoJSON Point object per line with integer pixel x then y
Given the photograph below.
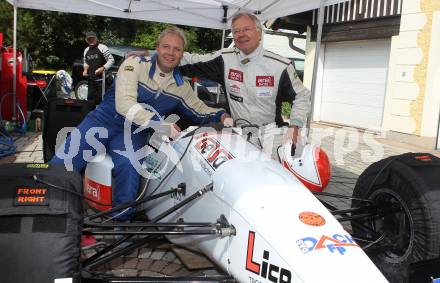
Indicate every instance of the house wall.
{"type": "Point", "coordinates": [432, 100]}
{"type": "Point", "coordinates": [411, 105]}
{"type": "Point", "coordinates": [412, 101]}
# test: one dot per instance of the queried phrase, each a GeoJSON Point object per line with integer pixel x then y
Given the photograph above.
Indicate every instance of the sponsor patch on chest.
{"type": "Point", "coordinates": [264, 92]}
{"type": "Point", "coordinates": [235, 92]}
{"type": "Point", "coordinates": [234, 88]}
{"type": "Point", "coordinates": [264, 81]}
{"type": "Point", "coordinates": [235, 75]}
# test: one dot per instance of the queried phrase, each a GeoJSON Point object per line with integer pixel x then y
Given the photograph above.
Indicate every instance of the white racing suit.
{"type": "Point", "coordinates": [255, 87]}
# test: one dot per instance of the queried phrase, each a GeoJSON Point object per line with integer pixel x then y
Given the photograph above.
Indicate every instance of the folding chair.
{"type": "Point", "coordinates": [43, 85]}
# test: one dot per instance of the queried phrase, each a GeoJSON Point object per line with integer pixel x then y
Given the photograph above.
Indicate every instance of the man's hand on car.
{"type": "Point", "coordinates": [174, 131]}
{"type": "Point", "coordinates": [291, 135]}
{"type": "Point", "coordinates": [226, 120]}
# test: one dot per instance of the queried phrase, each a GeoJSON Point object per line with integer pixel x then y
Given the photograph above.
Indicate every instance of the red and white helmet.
{"type": "Point", "coordinates": [309, 164]}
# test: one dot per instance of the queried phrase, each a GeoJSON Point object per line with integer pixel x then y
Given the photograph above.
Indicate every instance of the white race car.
{"type": "Point", "coordinates": [215, 192]}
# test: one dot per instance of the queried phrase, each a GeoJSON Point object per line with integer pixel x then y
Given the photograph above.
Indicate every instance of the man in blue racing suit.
{"type": "Point", "coordinates": [146, 90]}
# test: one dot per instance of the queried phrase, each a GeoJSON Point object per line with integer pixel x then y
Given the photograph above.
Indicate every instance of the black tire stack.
{"type": "Point", "coordinates": [40, 225]}
{"type": "Point", "coordinates": [412, 182]}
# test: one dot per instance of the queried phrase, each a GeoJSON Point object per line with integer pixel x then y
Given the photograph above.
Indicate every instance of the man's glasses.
{"type": "Point", "coordinates": [243, 30]}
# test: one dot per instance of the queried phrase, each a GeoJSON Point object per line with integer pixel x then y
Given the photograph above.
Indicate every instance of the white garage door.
{"type": "Point", "coordinates": [354, 83]}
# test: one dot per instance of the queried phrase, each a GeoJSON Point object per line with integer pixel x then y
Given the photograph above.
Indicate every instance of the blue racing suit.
{"type": "Point", "coordinates": [135, 88]}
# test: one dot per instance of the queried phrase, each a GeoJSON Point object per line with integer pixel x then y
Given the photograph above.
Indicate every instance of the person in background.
{"type": "Point", "coordinates": [96, 60]}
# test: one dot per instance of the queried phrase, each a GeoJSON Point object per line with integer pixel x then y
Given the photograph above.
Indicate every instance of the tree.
{"type": "Point", "coordinates": [208, 39]}
{"type": "Point", "coordinates": [6, 13]}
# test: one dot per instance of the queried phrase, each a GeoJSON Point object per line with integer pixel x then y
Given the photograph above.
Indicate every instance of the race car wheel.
{"type": "Point", "coordinates": [411, 231]}
{"type": "Point", "coordinates": [82, 90]}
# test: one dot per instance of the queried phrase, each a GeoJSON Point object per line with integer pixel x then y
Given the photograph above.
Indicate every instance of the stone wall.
{"type": "Point", "coordinates": [411, 104]}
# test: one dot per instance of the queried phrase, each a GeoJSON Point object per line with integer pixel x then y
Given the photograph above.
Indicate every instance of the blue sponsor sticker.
{"type": "Point", "coordinates": [336, 243]}
{"type": "Point", "coordinates": [435, 280]}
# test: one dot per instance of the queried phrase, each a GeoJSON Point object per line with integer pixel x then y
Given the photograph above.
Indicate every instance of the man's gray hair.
{"type": "Point", "coordinates": [174, 30]}
{"type": "Point", "coordinates": [254, 18]}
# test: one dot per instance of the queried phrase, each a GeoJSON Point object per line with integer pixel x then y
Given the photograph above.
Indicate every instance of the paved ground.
{"type": "Point", "coordinates": [29, 148]}
{"type": "Point", "coordinates": [350, 153]}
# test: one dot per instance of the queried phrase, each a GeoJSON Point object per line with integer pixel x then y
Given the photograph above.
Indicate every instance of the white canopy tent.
{"type": "Point", "coordinates": [214, 14]}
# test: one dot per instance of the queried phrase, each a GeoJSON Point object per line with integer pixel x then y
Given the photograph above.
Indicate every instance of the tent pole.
{"type": "Point", "coordinates": [224, 21]}
{"type": "Point", "coordinates": [437, 144]}
{"type": "Point", "coordinates": [217, 98]}
{"type": "Point", "coordinates": [315, 64]}
{"type": "Point", "coordinates": [14, 66]}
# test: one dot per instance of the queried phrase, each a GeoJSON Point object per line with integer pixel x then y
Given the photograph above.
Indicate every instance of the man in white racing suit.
{"type": "Point", "coordinates": [256, 81]}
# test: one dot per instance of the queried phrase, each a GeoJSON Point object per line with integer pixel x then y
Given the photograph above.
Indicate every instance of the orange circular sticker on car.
{"type": "Point", "coordinates": [311, 218]}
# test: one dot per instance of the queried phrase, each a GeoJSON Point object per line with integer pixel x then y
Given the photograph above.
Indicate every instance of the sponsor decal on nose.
{"type": "Point", "coordinates": [336, 243]}
{"type": "Point", "coordinates": [265, 268]}
{"type": "Point", "coordinates": [311, 218]}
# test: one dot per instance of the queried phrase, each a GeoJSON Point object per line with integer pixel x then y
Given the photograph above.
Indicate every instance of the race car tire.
{"type": "Point", "coordinates": [412, 234]}
{"type": "Point", "coordinates": [81, 90]}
